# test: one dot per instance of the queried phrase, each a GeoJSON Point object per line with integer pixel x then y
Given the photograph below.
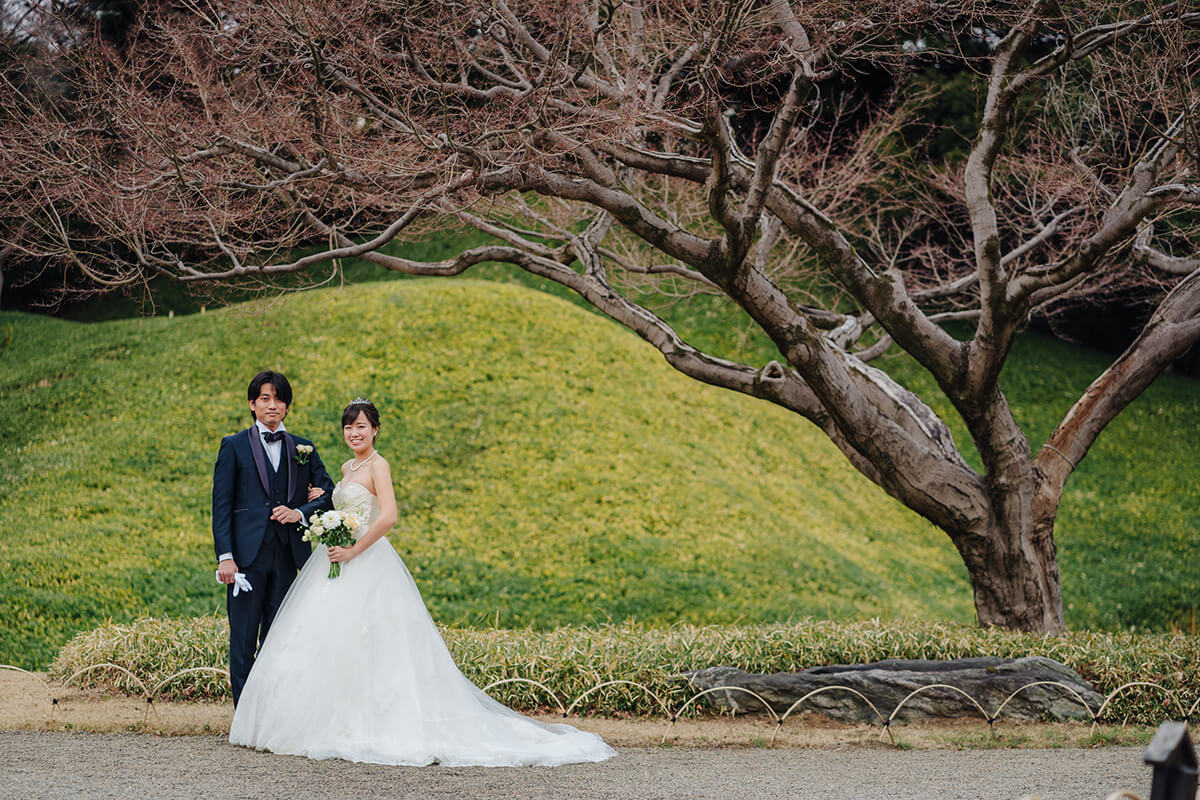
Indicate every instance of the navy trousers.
{"type": "Point", "coordinates": [251, 613]}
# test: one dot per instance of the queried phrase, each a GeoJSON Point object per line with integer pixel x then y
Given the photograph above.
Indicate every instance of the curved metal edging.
{"type": "Point", "coordinates": [1115, 692]}
{"type": "Point", "coordinates": [188, 671]}
{"type": "Point", "coordinates": [753, 694]}
{"type": "Point", "coordinates": [642, 686]}
{"type": "Point", "coordinates": [40, 679]}
{"type": "Point", "coordinates": [1066, 686]}
{"type": "Point", "coordinates": [779, 720]}
{"type": "Point", "coordinates": [852, 690]}
{"type": "Point", "coordinates": [541, 686]}
{"type": "Point", "coordinates": [918, 690]}
{"type": "Point", "coordinates": [27, 672]}
{"type": "Point", "coordinates": [79, 672]}
{"type": "Point", "coordinates": [697, 696]}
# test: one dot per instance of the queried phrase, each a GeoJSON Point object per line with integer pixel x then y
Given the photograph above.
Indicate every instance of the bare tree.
{"type": "Point", "coordinates": [681, 147]}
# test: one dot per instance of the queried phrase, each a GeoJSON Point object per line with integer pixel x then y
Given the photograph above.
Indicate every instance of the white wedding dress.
{"type": "Point", "coordinates": [354, 668]}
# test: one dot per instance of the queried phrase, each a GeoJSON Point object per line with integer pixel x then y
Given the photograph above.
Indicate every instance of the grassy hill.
{"type": "Point", "coordinates": [550, 469]}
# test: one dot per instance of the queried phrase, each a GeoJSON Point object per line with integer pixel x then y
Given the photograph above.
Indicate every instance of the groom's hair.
{"type": "Point", "coordinates": [283, 389]}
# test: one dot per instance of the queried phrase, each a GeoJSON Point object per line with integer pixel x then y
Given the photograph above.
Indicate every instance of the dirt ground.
{"type": "Point", "coordinates": [29, 702]}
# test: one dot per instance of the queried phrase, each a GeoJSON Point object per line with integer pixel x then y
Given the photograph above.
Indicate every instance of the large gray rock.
{"type": "Point", "coordinates": [886, 683]}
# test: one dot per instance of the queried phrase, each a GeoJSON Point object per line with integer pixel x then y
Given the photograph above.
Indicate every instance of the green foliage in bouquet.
{"type": "Point", "coordinates": [332, 529]}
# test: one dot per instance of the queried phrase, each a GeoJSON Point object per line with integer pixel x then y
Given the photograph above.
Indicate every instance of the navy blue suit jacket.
{"type": "Point", "coordinates": [241, 499]}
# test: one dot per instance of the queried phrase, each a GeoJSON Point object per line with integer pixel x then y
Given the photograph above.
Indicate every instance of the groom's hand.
{"type": "Point", "coordinates": [286, 515]}
{"type": "Point", "coordinates": [226, 570]}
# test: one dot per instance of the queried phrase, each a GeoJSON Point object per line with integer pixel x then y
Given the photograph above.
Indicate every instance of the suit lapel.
{"type": "Point", "coordinates": [260, 458]}
{"type": "Point", "coordinates": [290, 454]}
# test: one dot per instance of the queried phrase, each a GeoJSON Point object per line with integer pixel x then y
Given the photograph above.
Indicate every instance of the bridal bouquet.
{"type": "Point", "coordinates": [332, 529]}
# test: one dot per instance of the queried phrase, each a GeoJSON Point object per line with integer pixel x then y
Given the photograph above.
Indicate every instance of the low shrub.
{"type": "Point", "coordinates": [153, 650]}
{"type": "Point", "coordinates": [572, 660]}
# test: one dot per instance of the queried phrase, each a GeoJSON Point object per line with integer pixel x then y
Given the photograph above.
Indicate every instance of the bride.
{"type": "Point", "coordinates": [354, 667]}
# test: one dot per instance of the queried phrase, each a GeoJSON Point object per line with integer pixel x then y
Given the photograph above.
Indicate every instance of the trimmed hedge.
{"type": "Point", "coordinates": [572, 660]}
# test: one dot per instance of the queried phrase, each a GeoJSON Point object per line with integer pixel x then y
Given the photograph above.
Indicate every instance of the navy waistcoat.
{"type": "Point", "coordinates": [279, 492]}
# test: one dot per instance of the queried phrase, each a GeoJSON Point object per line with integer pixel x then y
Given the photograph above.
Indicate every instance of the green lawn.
{"type": "Point", "coordinates": [550, 469]}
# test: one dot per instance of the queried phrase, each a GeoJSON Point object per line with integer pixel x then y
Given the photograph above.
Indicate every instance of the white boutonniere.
{"type": "Point", "coordinates": [303, 451]}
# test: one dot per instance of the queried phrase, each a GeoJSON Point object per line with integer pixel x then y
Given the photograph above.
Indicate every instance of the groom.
{"type": "Point", "coordinates": [260, 495]}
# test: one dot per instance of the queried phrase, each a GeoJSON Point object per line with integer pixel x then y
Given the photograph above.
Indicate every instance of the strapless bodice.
{"type": "Point", "coordinates": [352, 496]}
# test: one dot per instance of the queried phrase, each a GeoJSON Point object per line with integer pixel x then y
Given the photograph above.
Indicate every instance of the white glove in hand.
{"type": "Point", "coordinates": [240, 584]}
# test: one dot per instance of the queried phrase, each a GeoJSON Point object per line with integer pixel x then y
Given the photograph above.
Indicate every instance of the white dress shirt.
{"type": "Point", "coordinates": [274, 451]}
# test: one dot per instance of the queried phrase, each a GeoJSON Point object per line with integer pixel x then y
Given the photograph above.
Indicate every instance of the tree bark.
{"type": "Point", "coordinates": [1013, 568]}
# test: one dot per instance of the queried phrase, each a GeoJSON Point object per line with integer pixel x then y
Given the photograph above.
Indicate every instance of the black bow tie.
{"type": "Point", "coordinates": [272, 436]}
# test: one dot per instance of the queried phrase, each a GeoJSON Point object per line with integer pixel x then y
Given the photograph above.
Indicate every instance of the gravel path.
{"type": "Point", "coordinates": [61, 765]}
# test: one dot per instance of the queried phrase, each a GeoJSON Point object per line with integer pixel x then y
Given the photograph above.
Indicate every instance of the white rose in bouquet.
{"type": "Point", "coordinates": [332, 529]}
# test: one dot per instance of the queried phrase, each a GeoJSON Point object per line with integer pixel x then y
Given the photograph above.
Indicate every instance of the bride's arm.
{"type": "Point", "coordinates": [381, 477]}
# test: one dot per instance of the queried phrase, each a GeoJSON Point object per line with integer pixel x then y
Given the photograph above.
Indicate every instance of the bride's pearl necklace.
{"type": "Point", "coordinates": [356, 465]}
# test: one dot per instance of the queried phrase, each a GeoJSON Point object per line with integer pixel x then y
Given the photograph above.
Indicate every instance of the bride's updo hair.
{"type": "Point", "coordinates": [363, 406]}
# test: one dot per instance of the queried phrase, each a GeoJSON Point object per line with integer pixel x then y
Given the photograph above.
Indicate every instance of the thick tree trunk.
{"type": "Point", "coordinates": [1010, 552]}
{"type": "Point", "coordinates": [1014, 574]}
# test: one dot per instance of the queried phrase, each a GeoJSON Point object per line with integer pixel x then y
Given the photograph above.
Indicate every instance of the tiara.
{"type": "Point", "coordinates": [361, 401]}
